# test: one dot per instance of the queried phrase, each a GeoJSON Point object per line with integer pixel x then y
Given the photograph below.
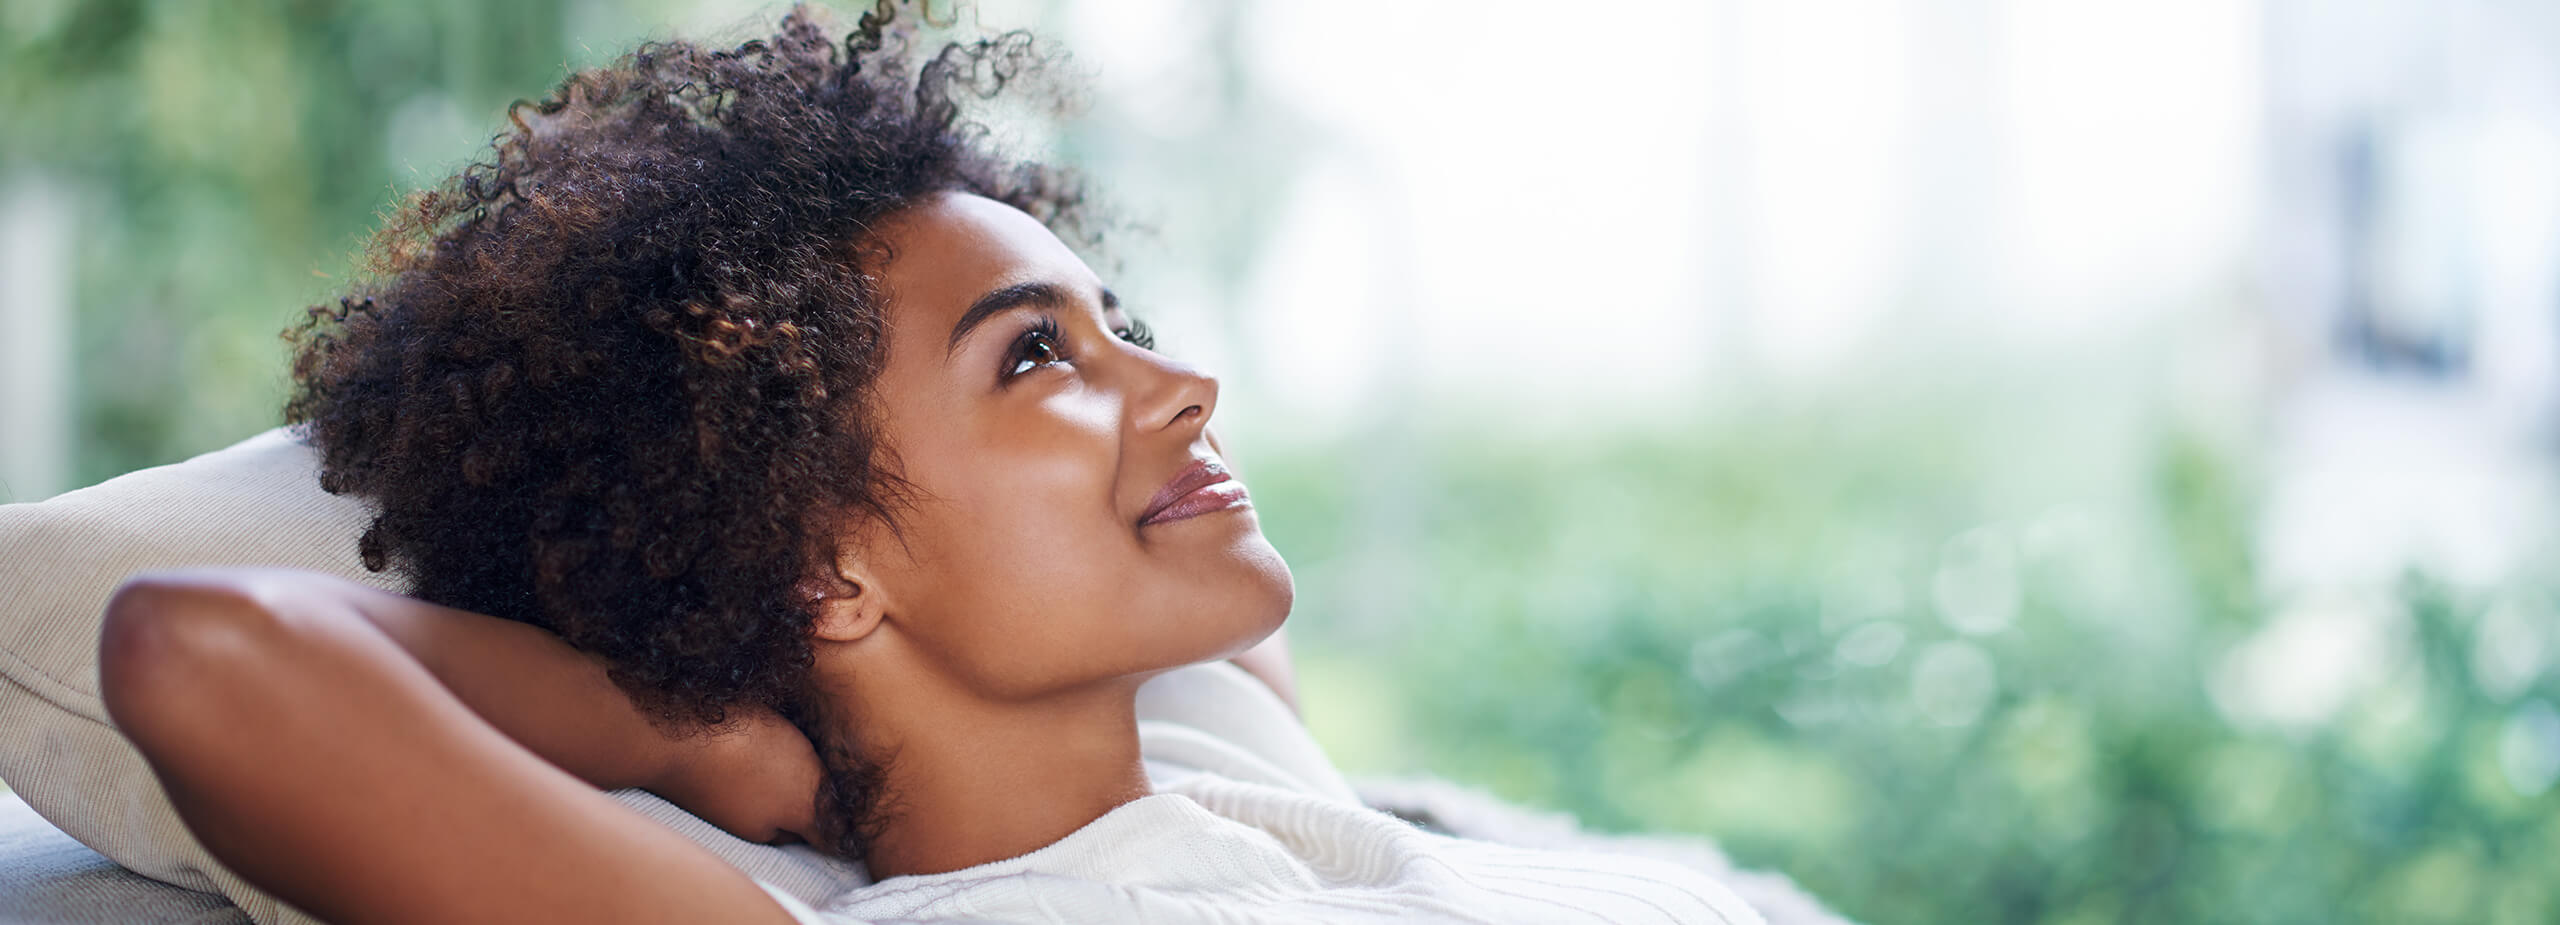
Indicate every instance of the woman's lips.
{"type": "Point", "coordinates": [1200, 488]}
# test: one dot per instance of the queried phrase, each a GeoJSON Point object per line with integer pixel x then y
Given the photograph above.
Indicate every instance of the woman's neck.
{"type": "Point", "coordinates": [970, 780]}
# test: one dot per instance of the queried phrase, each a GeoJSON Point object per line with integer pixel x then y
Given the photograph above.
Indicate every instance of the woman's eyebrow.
{"type": "Point", "coordinates": [1005, 298]}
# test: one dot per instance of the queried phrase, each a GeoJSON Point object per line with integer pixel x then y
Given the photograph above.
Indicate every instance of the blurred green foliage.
{"type": "Point", "coordinates": [1943, 656]}
{"type": "Point", "coordinates": [1743, 630]}
{"type": "Point", "coordinates": [225, 161]}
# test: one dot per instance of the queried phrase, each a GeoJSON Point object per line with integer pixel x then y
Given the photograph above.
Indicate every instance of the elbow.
{"type": "Point", "coordinates": [169, 642]}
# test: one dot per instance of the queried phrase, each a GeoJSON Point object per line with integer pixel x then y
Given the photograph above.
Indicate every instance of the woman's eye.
{"type": "Point", "coordinates": [1138, 333]}
{"type": "Point", "coordinates": [1037, 348]}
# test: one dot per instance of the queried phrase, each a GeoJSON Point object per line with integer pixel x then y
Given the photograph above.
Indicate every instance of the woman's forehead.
{"type": "Point", "coordinates": [950, 249]}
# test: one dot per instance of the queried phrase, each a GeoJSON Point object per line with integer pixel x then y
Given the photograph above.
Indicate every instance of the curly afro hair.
{"type": "Point", "coordinates": [611, 379]}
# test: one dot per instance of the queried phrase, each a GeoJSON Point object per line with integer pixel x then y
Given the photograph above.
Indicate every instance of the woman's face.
{"type": "Point", "coordinates": [1036, 437]}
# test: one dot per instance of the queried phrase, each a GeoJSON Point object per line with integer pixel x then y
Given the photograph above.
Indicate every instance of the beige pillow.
{"type": "Point", "coordinates": [257, 502]}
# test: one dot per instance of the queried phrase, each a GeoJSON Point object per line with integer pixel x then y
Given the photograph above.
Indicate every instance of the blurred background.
{"type": "Point", "coordinates": [1992, 460]}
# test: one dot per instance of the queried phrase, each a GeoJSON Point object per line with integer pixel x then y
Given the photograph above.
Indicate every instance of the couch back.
{"type": "Point", "coordinates": [256, 502]}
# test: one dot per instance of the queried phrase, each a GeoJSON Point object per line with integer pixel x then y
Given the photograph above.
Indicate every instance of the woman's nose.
{"type": "Point", "coordinates": [1174, 394]}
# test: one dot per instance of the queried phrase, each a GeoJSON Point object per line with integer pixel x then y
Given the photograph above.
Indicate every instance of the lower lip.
{"type": "Point", "coordinates": [1210, 498]}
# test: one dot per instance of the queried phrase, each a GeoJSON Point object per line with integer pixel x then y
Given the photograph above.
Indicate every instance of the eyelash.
{"type": "Point", "coordinates": [1138, 333]}
{"type": "Point", "coordinates": [1046, 327]}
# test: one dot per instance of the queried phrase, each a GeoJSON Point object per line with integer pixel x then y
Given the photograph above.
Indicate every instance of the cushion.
{"type": "Point", "coordinates": [46, 878]}
{"type": "Point", "coordinates": [257, 502]}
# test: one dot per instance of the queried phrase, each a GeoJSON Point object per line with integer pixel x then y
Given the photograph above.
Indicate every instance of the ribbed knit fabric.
{"type": "Point", "coordinates": [1209, 849]}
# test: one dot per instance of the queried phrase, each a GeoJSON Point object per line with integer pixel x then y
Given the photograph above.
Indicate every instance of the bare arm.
{"type": "Point", "coordinates": [559, 702]}
{"type": "Point", "coordinates": [315, 754]}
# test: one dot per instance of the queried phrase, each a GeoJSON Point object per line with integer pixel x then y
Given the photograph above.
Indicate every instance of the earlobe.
{"type": "Point", "coordinates": [842, 620]}
{"type": "Point", "coordinates": [846, 606]}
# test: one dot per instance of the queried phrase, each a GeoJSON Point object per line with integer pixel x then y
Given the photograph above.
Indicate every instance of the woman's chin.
{"type": "Point", "coordinates": [1251, 612]}
{"type": "Point", "coordinates": [1271, 585]}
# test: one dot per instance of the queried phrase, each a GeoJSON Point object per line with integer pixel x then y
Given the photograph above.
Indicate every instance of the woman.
{"type": "Point", "coordinates": [749, 434]}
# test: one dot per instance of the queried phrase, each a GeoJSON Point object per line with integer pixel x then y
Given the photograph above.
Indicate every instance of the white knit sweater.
{"type": "Point", "coordinates": [1206, 848]}
{"type": "Point", "coordinates": [1249, 824]}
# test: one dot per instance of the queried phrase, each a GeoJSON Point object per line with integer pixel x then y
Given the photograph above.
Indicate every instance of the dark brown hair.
{"type": "Point", "coordinates": [611, 380]}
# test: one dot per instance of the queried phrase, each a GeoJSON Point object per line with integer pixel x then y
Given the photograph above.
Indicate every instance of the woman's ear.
{"type": "Point", "coordinates": [848, 603]}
